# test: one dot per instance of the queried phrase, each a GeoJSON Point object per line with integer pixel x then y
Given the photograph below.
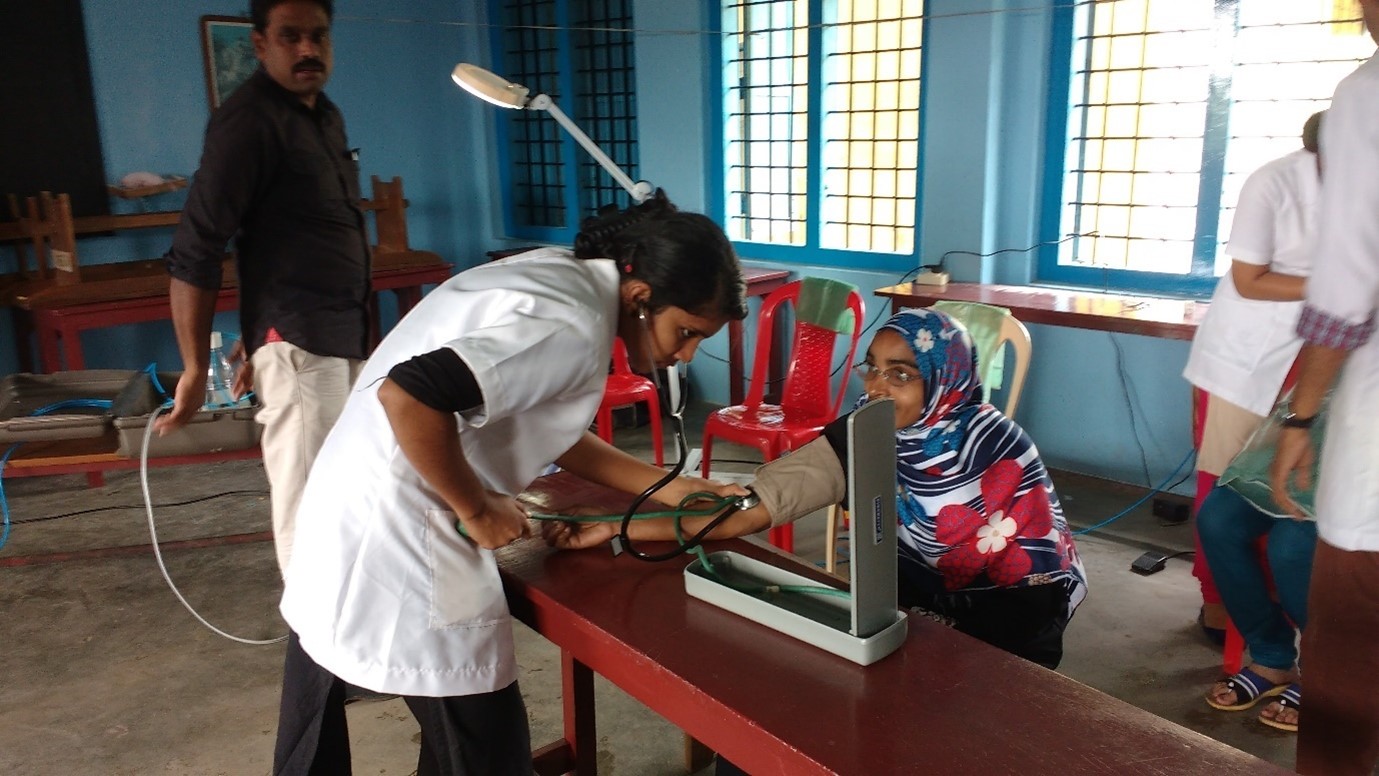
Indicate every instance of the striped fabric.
{"type": "Point", "coordinates": [976, 504]}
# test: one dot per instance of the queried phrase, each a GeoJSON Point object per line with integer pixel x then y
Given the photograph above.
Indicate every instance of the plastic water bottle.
{"type": "Point", "coordinates": [220, 377]}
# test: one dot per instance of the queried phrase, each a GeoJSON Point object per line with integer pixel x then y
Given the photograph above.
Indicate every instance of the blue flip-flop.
{"type": "Point", "coordinates": [1249, 688]}
{"type": "Point", "coordinates": [1290, 698]}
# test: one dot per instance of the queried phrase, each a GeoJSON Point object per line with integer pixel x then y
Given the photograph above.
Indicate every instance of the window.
{"type": "Point", "coordinates": [580, 53]}
{"type": "Point", "coordinates": [821, 108]}
{"type": "Point", "coordinates": [1167, 108]}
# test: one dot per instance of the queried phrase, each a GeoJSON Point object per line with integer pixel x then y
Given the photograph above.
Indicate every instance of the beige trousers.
{"type": "Point", "coordinates": [302, 395]}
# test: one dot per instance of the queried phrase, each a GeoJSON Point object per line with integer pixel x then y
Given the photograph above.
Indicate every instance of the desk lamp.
{"type": "Point", "coordinates": [505, 94]}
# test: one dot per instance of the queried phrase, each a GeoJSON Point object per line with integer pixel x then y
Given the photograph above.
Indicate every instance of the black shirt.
{"type": "Point", "coordinates": [279, 178]}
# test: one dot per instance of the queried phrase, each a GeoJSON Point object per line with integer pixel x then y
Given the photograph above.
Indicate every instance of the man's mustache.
{"type": "Point", "coordinates": [309, 64]}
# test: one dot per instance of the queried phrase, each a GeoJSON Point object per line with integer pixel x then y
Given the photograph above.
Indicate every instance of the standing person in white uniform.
{"type": "Point", "coordinates": [1340, 732]}
{"type": "Point", "coordinates": [1242, 352]}
{"type": "Point", "coordinates": [495, 375]}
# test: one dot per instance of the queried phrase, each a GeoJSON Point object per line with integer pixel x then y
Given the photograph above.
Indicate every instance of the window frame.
{"type": "Point", "coordinates": [1068, 24]}
{"type": "Point", "coordinates": [572, 156]}
{"type": "Point", "coordinates": [810, 252]}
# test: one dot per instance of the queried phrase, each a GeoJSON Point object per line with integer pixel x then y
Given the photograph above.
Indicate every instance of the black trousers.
{"type": "Point", "coordinates": [467, 735]}
{"type": "Point", "coordinates": [1025, 621]}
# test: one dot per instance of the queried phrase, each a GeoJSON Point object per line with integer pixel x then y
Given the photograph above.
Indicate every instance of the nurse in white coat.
{"type": "Point", "coordinates": [1242, 352]}
{"type": "Point", "coordinates": [495, 375]}
{"type": "Point", "coordinates": [1339, 733]}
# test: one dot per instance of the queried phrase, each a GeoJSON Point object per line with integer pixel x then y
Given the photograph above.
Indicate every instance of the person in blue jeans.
{"type": "Point", "coordinates": [1230, 528]}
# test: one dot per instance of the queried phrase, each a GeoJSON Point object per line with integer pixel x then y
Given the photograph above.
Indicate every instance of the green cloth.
{"type": "Point", "coordinates": [824, 303]}
{"type": "Point", "coordinates": [983, 323]}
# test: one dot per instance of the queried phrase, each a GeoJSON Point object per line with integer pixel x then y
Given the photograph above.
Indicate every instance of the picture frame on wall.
{"type": "Point", "coordinates": [228, 55]}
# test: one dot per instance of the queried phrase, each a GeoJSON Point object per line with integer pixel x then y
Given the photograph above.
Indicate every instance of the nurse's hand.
{"type": "Point", "coordinates": [499, 523]}
{"type": "Point", "coordinates": [570, 535]}
{"type": "Point", "coordinates": [678, 489]}
{"type": "Point", "coordinates": [1293, 458]}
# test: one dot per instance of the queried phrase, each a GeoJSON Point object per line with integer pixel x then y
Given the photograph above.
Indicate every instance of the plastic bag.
{"type": "Point", "coordinates": [1248, 472]}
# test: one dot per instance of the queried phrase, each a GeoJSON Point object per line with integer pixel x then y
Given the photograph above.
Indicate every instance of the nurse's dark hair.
{"type": "Point", "coordinates": [685, 257]}
{"type": "Point", "coordinates": [1311, 130]}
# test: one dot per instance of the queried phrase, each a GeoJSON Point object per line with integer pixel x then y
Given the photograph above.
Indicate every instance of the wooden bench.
{"type": "Point", "coordinates": [58, 305]}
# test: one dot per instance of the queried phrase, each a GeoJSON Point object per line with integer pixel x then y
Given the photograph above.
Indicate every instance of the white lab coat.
{"type": "Point", "coordinates": [382, 590]}
{"type": "Point", "coordinates": [1346, 286]}
{"type": "Point", "coordinates": [1244, 347]}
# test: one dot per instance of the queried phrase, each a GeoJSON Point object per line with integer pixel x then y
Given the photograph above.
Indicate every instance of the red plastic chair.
{"type": "Point", "coordinates": [808, 402]}
{"type": "Point", "coordinates": [625, 387]}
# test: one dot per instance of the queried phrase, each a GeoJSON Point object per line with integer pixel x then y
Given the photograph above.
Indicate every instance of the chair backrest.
{"type": "Point", "coordinates": [825, 310]}
{"type": "Point", "coordinates": [620, 364]}
{"type": "Point", "coordinates": [49, 226]}
{"type": "Point", "coordinates": [991, 327]}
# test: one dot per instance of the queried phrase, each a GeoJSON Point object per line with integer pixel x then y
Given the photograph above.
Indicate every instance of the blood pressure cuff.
{"type": "Point", "coordinates": [802, 482]}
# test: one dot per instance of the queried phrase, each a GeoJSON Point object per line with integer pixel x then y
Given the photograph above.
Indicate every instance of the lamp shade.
{"type": "Point", "coordinates": [489, 87]}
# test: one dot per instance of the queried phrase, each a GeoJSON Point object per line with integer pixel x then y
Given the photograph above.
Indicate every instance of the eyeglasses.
{"type": "Point", "coordinates": [893, 376]}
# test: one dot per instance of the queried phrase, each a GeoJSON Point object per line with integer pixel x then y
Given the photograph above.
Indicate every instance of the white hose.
{"type": "Point", "coordinates": [158, 553]}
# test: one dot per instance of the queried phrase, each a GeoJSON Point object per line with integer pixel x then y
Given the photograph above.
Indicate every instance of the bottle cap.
{"type": "Point", "coordinates": [216, 340]}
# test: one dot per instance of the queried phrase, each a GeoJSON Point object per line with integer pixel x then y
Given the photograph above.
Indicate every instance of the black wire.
{"type": "Point", "coordinates": [1130, 407]}
{"type": "Point", "coordinates": [1180, 554]}
{"type": "Point", "coordinates": [93, 510]}
{"type": "Point", "coordinates": [941, 259]}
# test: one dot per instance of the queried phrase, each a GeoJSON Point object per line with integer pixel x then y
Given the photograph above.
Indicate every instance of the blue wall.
{"type": "Point", "coordinates": [985, 93]}
{"type": "Point", "coordinates": [391, 80]}
{"type": "Point", "coordinates": [982, 150]}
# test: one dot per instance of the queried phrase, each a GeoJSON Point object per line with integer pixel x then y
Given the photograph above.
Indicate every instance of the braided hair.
{"type": "Point", "coordinates": [685, 258]}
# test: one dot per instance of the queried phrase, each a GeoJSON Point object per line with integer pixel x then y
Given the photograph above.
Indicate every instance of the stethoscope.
{"type": "Point", "coordinates": [676, 409]}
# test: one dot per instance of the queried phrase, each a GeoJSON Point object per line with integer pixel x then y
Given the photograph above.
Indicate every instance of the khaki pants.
{"type": "Point", "coordinates": [302, 395]}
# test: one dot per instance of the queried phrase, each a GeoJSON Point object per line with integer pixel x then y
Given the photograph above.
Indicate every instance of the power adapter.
{"type": "Point", "coordinates": [932, 277]}
{"type": "Point", "coordinates": [1149, 563]}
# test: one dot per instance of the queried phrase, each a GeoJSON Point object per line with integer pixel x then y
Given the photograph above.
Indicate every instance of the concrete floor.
{"type": "Point", "coordinates": [103, 672]}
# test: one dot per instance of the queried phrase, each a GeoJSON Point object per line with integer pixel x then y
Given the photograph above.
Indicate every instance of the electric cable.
{"type": "Point", "coordinates": [119, 507]}
{"type": "Point", "coordinates": [1143, 499]}
{"type": "Point", "coordinates": [158, 553]}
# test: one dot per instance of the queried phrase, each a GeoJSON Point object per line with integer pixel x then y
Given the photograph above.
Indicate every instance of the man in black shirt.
{"type": "Point", "coordinates": [278, 177]}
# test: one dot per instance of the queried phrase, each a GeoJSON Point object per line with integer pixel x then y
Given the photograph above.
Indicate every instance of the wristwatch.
{"type": "Point", "coordinates": [1294, 420]}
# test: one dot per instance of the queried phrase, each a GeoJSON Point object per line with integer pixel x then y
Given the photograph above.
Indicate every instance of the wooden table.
{"type": "Point", "coordinates": [760, 283]}
{"type": "Point", "coordinates": [59, 324]}
{"type": "Point", "coordinates": [943, 703]}
{"type": "Point", "coordinates": [1151, 317]}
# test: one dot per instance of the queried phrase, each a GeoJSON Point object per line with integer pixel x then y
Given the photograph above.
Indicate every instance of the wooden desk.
{"type": "Point", "coordinates": [1169, 318]}
{"type": "Point", "coordinates": [943, 703]}
{"type": "Point", "coordinates": [760, 282]}
{"type": "Point", "coordinates": [59, 325]}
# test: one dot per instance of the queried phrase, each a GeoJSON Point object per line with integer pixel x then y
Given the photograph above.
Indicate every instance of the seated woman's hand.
{"type": "Point", "coordinates": [577, 535]}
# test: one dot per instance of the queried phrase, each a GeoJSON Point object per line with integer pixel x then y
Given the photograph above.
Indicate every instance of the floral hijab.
{"type": "Point", "coordinates": [975, 502]}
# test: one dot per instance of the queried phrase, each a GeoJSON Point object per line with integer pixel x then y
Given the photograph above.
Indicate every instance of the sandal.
{"type": "Point", "coordinates": [1290, 698]}
{"type": "Point", "coordinates": [1249, 688]}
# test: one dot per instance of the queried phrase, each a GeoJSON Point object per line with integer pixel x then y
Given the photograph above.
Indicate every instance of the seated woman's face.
{"type": "Point", "coordinates": [895, 376]}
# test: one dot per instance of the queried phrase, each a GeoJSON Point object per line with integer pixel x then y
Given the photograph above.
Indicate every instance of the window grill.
{"type": "Point", "coordinates": [580, 53]}
{"type": "Point", "coordinates": [1172, 106]}
{"type": "Point", "coordinates": [846, 72]}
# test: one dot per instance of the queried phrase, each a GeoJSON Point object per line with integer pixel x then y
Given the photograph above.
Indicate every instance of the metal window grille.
{"type": "Point", "coordinates": [767, 111]}
{"type": "Point", "coordinates": [606, 104]}
{"type": "Point", "coordinates": [554, 46]}
{"type": "Point", "coordinates": [857, 186]}
{"type": "Point", "coordinates": [871, 125]}
{"type": "Point", "coordinates": [1172, 106]}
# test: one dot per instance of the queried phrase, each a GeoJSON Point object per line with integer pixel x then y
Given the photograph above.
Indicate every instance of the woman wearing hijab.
{"type": "Point", "coordinates": [982, 541]}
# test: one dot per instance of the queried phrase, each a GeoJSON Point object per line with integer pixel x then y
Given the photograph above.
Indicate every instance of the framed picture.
{"type": "Point", "coordinates": [228, 54]}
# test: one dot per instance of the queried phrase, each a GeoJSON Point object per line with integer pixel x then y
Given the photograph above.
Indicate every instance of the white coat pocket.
{"type": "Point", "coordinates": [466, 590]}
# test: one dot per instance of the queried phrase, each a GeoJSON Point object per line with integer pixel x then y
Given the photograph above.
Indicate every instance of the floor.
{"type": "Point", "coordinates": [102, 670]}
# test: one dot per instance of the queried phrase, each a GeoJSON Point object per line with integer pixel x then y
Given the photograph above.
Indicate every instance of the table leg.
{"type": "Point", "coordinates": [49, 349]}
{"type": "Point", "coordinates": [577, 693]}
